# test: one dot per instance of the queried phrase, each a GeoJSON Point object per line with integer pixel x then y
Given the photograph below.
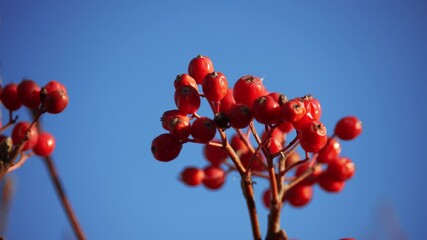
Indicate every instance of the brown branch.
{"type": "Point", "coordinates": [6, 198]}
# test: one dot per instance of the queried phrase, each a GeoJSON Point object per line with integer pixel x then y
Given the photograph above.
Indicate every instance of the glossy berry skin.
{"type": "Point", "coordinates": [19, 134]}
{"type": "Point", "coordinates": [266, 110]}
{"type": "Point", "coordinates": [215, 86]}
{"type": "Point", "coordinates": [166, 147]}
{"type": "Point", "coordinates": [341, 169]}
{"type": "Point", "coordinates": [187, 99]}
{"type": "Point", "coordinates": [55, 101]}
{"type": "Point", "coordinates": [179, 126]}
{"type": "Point", "coordinates": [247, 89]}
{"type": "Point", "coordinates": [214, 177]}
{"type": "Point", "coordinates": [29, 93]}
{"type": "Point", "coordinates": [313, 136]}
{"type": "Point", "coordinates": [348, 128]}
{"type": "Point", "coordinates": [45, 144]}
{"type": "Point", "coordinates": [279, 98]}
{"type": "Point", "coordinates": [184, 80]}
{"type": "Point", "coordinates": [54, 85]}
{"type": "Point", "coordinates": [215, 155]}
{"type": "Point", "coordinates": [192, 176]}
{"type": "Point", "coordinates": [327, 183]}
{"type": "Point", "coordinates": [199, 67]}
{"type": "Point", "coordinates": [10, 97]}
{"type": "Point", "coordinates": [312, 105]}
{"type": "Point", "coordinates": [227, 101]}
{"type": "Point", "coordinates": [203, 129]}
{"type": "Point", "coordinates": [239, 116]}
{"type": "Point", "coordinates": [292, 111]}
{"type": "Point", "coordinates": [167, 115]}
{"type": "Point", "coordinates": [299, 195]}
{"type": "Point", "coordinates": [285, 127]}
{"type": "Point", "coordinates": [330, 152]}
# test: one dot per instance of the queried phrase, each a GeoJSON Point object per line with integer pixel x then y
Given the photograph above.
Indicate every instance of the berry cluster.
{"type": "Point", "coordinates": [269, 155]}
{"type": "Point", "coordinates": [51, 98]}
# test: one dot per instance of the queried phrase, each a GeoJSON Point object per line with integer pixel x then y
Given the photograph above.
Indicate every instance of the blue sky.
{"type": "Point", "coordinates": [118, 60]}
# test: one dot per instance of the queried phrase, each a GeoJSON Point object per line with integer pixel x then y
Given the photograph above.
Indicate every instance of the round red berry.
{"type": "Point", "coordinates": [266, 110]}
{"type": "Point", "coordinates": [19, 135]}
{"type": "Point", "coordinates": [199, 67]}
{"type": "Point", "coordinates": [29, 93]}
{"type": "Point", "coordinates": [279, 98]}
{"type": "Point", "coordinates": [247, 89]}
{"type": "Point", "coordinates": [192, 176]}
{"type": "Point", "coordinates": [341, 169]}
{"type": "Point", "coordinates": [239, 116]}
{"type": "Point", "coordinates": [55, 101]}
{"type": "Point", "coordinates": [299, 195]}
{"type": "Point", "coordinates": [313, 136]}
{"type": "Point", "coordinates": [166, 147]}
{"type": "Point", "coordinates": [266, 198]}
{"type": "Point", "coordinates": [292, 111]}
{"type": "Point", "coordinates": [203, 129]}
{"type": "Point", "coordinates": [314, 110]}
{"type": "Point", "coordinates": [179, 126]}
{"type": "Point", "coordinates": [214, 177]}
{"type": "Point", "coordinates": [184, 80]}
{"type": "Point", "coordinates": [257, 163]}
{"type": "Point", "coordinates": [285, 127]}
{"type": "Point", "coordinates": [238, 145]}
{"type": "Point", "coordinates": [227, 101]}
{"type": "Point", "coordinates": [327, 183]}
{"type": "Point", "coordinates": [54, 85]}
{"type": "Point", "coordinates": [187, 99]}
{"type": "Point", "coordinates": [214, 154]}
{"type": "Point", "coordinates": [165, 118]}
{"type": "Point", "coordinates": [215, 86]}
{"type": "Point", "coordinates": [45, 144]}
{"type": "Point", "coordinates": [10, 97]}
{"type": "Point", "coordinates": [348, 128]}
{"type": "Point", "coordinates": [312, 178]}
{"type": "Point", "coordinates": [330, 151]}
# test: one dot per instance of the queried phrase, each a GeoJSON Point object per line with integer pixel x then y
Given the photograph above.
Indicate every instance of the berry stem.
{"type": "Point", "coordinates": [12, 120]}
{"type": "Point", "coordinates": [20, 163]}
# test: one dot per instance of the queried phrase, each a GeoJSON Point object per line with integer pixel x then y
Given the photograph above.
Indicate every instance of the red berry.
{"type": "Point", "coordinates": [275, 133]}
{"type": "Point", "coordinates": [314, 110]}
{"type": "Point", "coordinates": [214, 177]}
{"type": "Point", "coordinates": [292, 158]}
{"type": "Point", "coordinates": [199, 67]}
{"type": "Point", "coordinates": [10, 97]}
{"type": "Point", "coordinates": [184, 80]}
{"type": "Point", "coordinates": [330, 151]}
{"type": "Point", "coordinates": [348, 128]}
{"type": "Point", "coordinates": [299, 195]}
{"type": "Point", "coordinates": [227, 101]}
{"type": "Point", "coordinates": [285, 127]}
{"type": "Point", "coordinates": [166, 147]}
{"type": "Point", "coordinates": [279, 98]}
{"type": "Point", "coordinates": [313, 136]}
{"type": "Point", "coordinates": [179, 126]}
{"type": "Point", "coordinates": [168, 115]}
{"type": "Point", "coordinates": [215, 86]}
{"type": "Point", "coordinates": [29, 93]}
{"type": "Point", "coordinates": [215, 155]}
{"type": "Point", "coordinates": [203, 129]}
{"type": "Point", "coordinates": [292, 111]}
{"type": "Point", "coordinates": [238, 145]}
{"type": "Point", "coordinates": [341, 169]}
{"type": "Point", "coordinates": [329, 184]}
{"type": "Point", "coordinates": [266, 110]}
{"type": "Point", "coordinates": [45, 144]}
{"type": "Point", "coordinates": [55, 101]}
{"type": "Point", "coordinates": [239, 116]}
{"type": "Point", "coordinates": [247, 89]}
{"type": "Point", "coordinates": [312, 178]}
{"type": "Point", "coordinates": [266, 198]}
{"type": "Point", "coordinates": [55, 85]}
{"type": "Point", "coordinates": [19, 134]}
{"type": "Point", "coordinates": [257, 163]}
{"type": "Point", "coordinates": [192, 176]}
{"type": "Point", "coordinates": [187, 99]}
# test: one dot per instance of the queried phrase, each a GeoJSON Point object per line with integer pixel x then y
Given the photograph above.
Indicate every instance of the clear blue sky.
{"type": "Point", "coordinates": [118, 60]}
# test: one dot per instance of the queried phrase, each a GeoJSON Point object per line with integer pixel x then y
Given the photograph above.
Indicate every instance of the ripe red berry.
{"type": "Point", "coordinates": [214, 177]}
{"type": "Point", "coordinates": [215, 86]}
{"type": "Point", "coordinates": [215, 155]}
{"type": "Point", "coordinates": [179, 126]}
{"type": "Point", "coordinates": [247, 89]}
{"type": "Point", "coordinates": [239, 116]}
{"type": "Point", "coordinates": [348, 128]}
{"type": "Point", "coordinates": [285, 127]}
{"type": "Point", "coordinates": [257, 163]}
{"type": "Point", "coordinates": [45, 144]}
{"type": "Point", "coordinates": [313, 136]}
{"type": "Point", "coordinates": [203, 129]}
{"type": "Point", "coordinates": [238, 145]}
{"type": "Point", "coordinates": [299, 195]}
{"type": "Point", "coordinates": [292, 158]}
{"type": "Point", "coordinates": [312, 178]}
{"type": "Point", "coordinates": [329, 184]}
{"type": "Point", "coordinates": [266, 110]}
{"type": "Point", "coordinates": [227, 101]}
{"type": "Point", "coordinates": [187, 99]}
{"type": "Point", "coordinates": [330, 151]}
{"type": "Point", "coordinates": [10, 97]}
{"type": "Point", "coordinates": [166, 147]}
{"type": "Point", "coordinates": [314, 110]}
{"type": "Point", "coordinates": [199, 67]}
{"type": "Point", "coordinates": [19, 134]}
{"type": "Point", "coordinates": [29, 93]}
{"type": "Point", "coordinates": [292, 111]}
{"type": "Point", "coordinates": [55, 101]}
{"type": "Point", "coordinates": [54, 85]}
{"type": "Point", "coordinates": [341, 169]}
{"type": "Point", "coordinates": [192, 176]}
{"type": "Point", "coordinates": [279, 98]}
{"type": "Point", "coordinates": [168, 115]}
{"type": "Point", "coordinates": [184, 80]}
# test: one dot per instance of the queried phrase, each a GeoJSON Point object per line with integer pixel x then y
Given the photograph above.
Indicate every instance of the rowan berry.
{"type": "Point", "coordinates": [247, 89]}
{"type": "Point", "coordinates": [348, 128]}
{"type": "Point", "coordinates": [19, 134]}
{"type": "Point", "coordinates": [327, 183]}
{"type": "Point", "coordinates": [168, 115]}
{"type": "Point", "coordinates": [279, 98]}
{"type": "Point", "coordinates": [214, 154]}
{"type": "Point", "coordinates": [192, 176]}
{"type": "Point", "coordinates": [199, 67]}
{"type": "Point", "coordinates": [257, 163]}
{"type": "Point", "coordinates": [55, 85]}
{"type": "Point", "coordinates": [29, 93]}
{"type": "Point", "coordinates": [187, 99]}
{"type": "Point", "coordinates": [45, 144]}
{"type": "Point", "coordinates": [203, 129]}
{"type": "Point", "coordinates": [312, 178]}
{"type": "Point", "coordinates": [299, 195]}
{"type": "Point", "coordinates": [329, 152]}
{"type": "Point", "coordinates": [266, 110]}
{"type": "Point", "coordinates": [266, 198]}
{"type": "Point", "coordinates": [239, 115]}
{"type": "Point", "coordinates": [312, 105]}
{"type": "Point", "coordinates": [184, 80]}
{"type": "Point", "coordinates": [313, 136]}
{"type": "Point", "coordinates": [10, 97]}
{"type": "Point", "coordinates": [227, 101]}
{"type": "Point", "coordinates": [214, 177]}
{"type": "Point", "coordinates": [215, 86]}
{"type": "Point", "coordinates": [55, 101]}
{"type": "Point", "coordinates": [292, 111]}
{"type": "Point", "coordinates": [166, 147]}
{"type": "Point", "coordinates": [179, 126]}
{"type": "Point", "coordinates": [341, 169]}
